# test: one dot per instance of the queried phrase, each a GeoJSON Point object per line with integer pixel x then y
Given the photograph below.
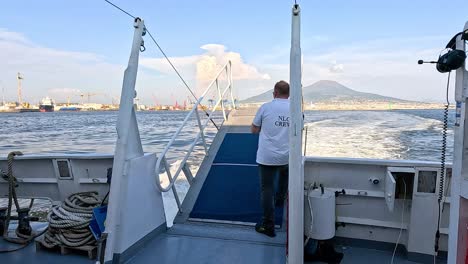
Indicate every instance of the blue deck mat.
{"type": "Point", "coordinates": [231, 192]}
{"type": "Point", "coordinates": [240, 148]}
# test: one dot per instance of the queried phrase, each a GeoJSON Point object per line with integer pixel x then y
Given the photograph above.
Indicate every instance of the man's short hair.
{"type": "Point", "coordinates": [282, 88]}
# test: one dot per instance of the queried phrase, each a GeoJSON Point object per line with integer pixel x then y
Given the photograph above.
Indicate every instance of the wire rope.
{"type": "Point", "coordinates": [168, 60]}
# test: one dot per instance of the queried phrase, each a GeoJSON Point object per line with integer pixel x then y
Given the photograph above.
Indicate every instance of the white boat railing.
{"type": "Point", "coordinates": [226, 74]}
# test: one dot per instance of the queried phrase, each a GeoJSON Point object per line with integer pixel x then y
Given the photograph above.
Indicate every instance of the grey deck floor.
{"type": "Point", "coordinates": [230, 244]}
{"type": "Point", "coordinates": [185, 249]}
{"type": "Point", "coordinates": [29, 254]}
{"type": "Point", "coordinates": [354, 255]}
{"type": "Point", "coordinates": [214, 243]}
{"type": "Point", "coordinates": [176, 248]}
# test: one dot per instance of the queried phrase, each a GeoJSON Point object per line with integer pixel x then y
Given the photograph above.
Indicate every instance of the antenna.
{"type": "Point", "coordinates": [421, 61]}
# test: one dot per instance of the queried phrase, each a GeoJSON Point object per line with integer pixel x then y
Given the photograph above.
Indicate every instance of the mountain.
{"type": "Point", "coordinates": [326, 91]}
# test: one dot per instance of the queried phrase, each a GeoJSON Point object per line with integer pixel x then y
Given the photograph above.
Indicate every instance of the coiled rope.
{"type": "Point", "coordinates": [69, 222]}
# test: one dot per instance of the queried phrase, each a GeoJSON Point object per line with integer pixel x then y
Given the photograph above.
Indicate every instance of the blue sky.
{"type": "Point", "coordinates": [68, 47]}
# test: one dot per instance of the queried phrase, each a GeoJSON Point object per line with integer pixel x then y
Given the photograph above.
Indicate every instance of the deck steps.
{"type": "Point", "coordinates": [227, 232]}
{"type": "Point", "coordinates": [231, 190]}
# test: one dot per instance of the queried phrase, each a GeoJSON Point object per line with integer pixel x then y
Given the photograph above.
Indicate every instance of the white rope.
{"type": "Point", "coordinates": [69, 222]}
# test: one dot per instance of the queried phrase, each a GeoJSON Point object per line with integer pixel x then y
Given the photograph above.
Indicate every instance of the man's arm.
{"type": "Point", "coordinates": [257, 121]}
{"type": "Point", "coordinates": [255, 129]}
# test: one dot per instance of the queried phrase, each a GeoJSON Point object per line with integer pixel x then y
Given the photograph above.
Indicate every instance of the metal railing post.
{"type": "Point", "coordinates": [169, 176]}
{"type": "Point", "coordinates": [183, 167]}
{"type": "Point", "coordinates": [296, 167]}
{"type": "Point", "coordinates": [230, 85]}
{"type": "Point", "coordinates": [201, 131]}
{"type": "Point", "coordinates": [220, 98]}
{"type": "Point", "coordinates": [188, 173]}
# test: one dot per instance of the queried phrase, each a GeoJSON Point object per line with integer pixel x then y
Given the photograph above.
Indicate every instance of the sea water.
{"type": "Point", "coordinates": [397, 134]}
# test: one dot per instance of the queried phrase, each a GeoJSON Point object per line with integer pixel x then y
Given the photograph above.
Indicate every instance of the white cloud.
{"type": "Point", "coordinates": [215, 49]}
{"type": "Point", "coordinates": [10, 36]}
{"type": "Point", "coordinates": [54, 71]}
{"type": "Point", "coordinates": [161, 65]}
{"type": "Point", "coordinates": [337, 68]}
{"type": "Point", "coordinates": [385, 66]}
{"type": "Point", "coordinates": [61, 74]}
{"type": "Point", "coordinates": [204, 67]}
{"type": "Point", "coordinates": [217, 55]}
{"type": "Point", "coordinates": [67, 91]}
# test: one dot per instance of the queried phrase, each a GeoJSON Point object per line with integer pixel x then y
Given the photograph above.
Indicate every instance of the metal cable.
{"type": "Point", "coordinates": [442, 164]}
{"type": "Point", "coordinates": [114, 5]}
{"type": "Point", "coordinates": [169, 61]}
{"type": "Point", "coordinates": [172, 65]}
{"type": "Point", "coordinates": [180, 76]}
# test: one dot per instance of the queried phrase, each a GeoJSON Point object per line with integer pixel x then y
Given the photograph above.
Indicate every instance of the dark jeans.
{"type": "Point", "coordinates": [268, 175]}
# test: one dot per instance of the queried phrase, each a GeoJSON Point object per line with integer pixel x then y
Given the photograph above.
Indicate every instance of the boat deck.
{"type": "Point", "coordinates": [210, 244]}
{"type": "Point", "coordinates": [213, 243]}
{"type": "Point", "coordinates": [30, 254]}
{"type": "Point", "coordinates": [216, 222]}
{"type": "Point", "coordinates": [201, 243]}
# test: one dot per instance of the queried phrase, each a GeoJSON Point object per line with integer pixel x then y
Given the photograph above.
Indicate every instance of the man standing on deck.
{"type": "Point", "coordinates": [272, 122]}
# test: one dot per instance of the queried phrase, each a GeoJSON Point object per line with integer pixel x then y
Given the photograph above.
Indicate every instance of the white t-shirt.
{"type": "Point", "coordinates": [273, 145]}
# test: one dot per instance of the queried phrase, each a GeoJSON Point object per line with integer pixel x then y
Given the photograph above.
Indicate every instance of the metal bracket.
{"type": "Point", "coordinates": [337, 193]}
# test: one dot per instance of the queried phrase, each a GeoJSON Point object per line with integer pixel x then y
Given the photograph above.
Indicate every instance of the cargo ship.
{"type": "Point", "coordinates": [46, 105]}
{"type": "Point", "coordinates": [70, 108]}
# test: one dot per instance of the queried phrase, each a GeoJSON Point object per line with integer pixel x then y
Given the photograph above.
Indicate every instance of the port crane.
{"type": "Point", "coordinates": [154, 100]}
{"type": "Point", "coordinates": [88, 95]}
{"type": "Point", "coordinates": [19, 77]}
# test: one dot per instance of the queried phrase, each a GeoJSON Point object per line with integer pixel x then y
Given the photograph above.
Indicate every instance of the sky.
{"type": "Point", "coordinates": [67, 48]}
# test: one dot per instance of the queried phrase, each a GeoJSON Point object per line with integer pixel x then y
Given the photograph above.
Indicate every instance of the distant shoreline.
{"type": "Point", "coordinates": [315, 107]}
{"type": "Point", "coordinates": [377, 106]}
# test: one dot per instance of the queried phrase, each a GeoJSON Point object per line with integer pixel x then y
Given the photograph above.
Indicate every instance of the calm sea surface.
{"type": "Point", "coordinates": [408, 134]}
{"type": "Point", "coordinates": [412, 134]}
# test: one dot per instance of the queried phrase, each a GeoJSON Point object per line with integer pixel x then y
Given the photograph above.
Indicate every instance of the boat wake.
{"type": "Point", "coordinates": [380, 135]}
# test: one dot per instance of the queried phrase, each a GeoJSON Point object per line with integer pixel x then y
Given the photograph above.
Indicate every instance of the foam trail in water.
{"type": "Point", "coordinates": [381, 135]}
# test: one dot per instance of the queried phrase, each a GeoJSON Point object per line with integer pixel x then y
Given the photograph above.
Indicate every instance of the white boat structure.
{"type": "Point", "coordinates": [46, 105]}
{"type": "Point", "coordinates": [379, 203]}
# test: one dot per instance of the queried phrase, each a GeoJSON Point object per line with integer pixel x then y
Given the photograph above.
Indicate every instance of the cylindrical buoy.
{"type": "Point", "coordinates": [322, 216]}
